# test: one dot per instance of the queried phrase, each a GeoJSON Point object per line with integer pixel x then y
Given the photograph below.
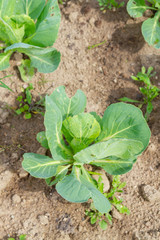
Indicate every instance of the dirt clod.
{"type": "Point", "coordinates": [23, 173]}
{"type": "Point", "coordinates": [5, 178]}
{"type": "Point", "coordinates": [149, 193]}
{"type": "Point", "coordinates": [16, 199]}
{"type": "Point", "coordinates": [104, 179]}
{"type": "Point", "coordinates": [14, 156]}
{"type": "Point", "coordinates": [3, 115]}
{"type": "Point", "coordinates": [86, 9]}
{"type": "Point", "coordinates": [152, 147]}
{"type": "Point", "coordinates": [73, 16]}
{"type": "Point", "coordinates": [116, 214]}
{"type": "Point", "coordinates": [42, 151]}
{"type": "Point", "coordinates": [43, 219]}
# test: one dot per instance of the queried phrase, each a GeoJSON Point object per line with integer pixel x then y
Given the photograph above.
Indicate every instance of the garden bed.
{"type": "Point", "coordinates": [27, 205]}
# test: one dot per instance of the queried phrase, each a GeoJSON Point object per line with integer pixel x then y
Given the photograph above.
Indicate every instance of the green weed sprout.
{"type": "Point", "coordinates": [149, 91]}
{"type": "Point", "coordinates": [61, 1]}
{"type": "Point", "coordinates": [21, 237]}
{"type": "Point", "coordinates": [104, 219]}
{"type": "Point", "coordinates": [26, 104]}
{"type": "Point", "coordinates": [104, 4]}
{"type": "Point", "coordinates": [3, 85]}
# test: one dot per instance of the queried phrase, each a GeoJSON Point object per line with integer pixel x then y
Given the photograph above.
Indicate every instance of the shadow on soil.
{"type": "Point", "coordinates": [124, 92]}
{"type": "Point", "coordinates": [18, 136]}
{"type": "Point", "coordinates": [109, 16]}
{"type": "Point", "coordinates": [129, 38]}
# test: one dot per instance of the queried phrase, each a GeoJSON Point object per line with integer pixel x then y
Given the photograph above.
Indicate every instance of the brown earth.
{"type": "Point", "coordinates": [27, 205]}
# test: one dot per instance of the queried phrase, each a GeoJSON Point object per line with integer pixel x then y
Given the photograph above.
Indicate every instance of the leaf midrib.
{"type": "Point", "coordinates": [6, 24]}
{"type": "Point", "coordinates": [60, 144]}
{"type": "Point", "coordinates": [143, 7]}
{"type": "Point", "coordinates": [111, 136]}
{"type": "Point", "coordinates": [154, 25]}
{"type": "Point", "coordinates": [39, 165]}
{"type": "Point", "coordinates": [40, 59]}
{"type": "Point", "coordinates": [110, 161]}
{"type": "Point", "coordinates": [3, 59]}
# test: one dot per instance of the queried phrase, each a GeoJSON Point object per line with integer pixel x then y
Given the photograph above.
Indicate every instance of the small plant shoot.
{"type": "Point", "coordinates": [104, 219]}
{"type": "Point", "coordinates": [149, 91]}
{"type": "Point", "coordinates": [26, 104]}
{"type": "Point", "coordinates": [110, 4]}
{"type": "Point", "coordinates": [30, 27]}
{"type": "Point", "coordinates": [26, 70]}
{"type": "Point", "coordinates": [76, 138]}
{"type": "Point", "coordinates": [3, 85]}
{"type": "Point", "coordinates": [61, 1]}
{"type": "Point", "coordinates": [21, 237]}
{"type": "Point", "coordinates": [151, 26]}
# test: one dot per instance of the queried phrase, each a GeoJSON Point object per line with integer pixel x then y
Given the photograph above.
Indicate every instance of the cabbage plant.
{"type": "Point", "coordinates": [30, 27]}
{"type": "Point", "coordinates": [151, 26]}
{"type": "Point", "coordinates": [76, 138]}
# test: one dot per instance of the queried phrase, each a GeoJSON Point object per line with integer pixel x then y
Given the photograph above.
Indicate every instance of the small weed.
{"type": "Point", "coordinates": [117, 187]}
{"type": "Point", "coordinates": [97, 45]}
{"type": "Point", "coordinates": [26, 104]}
{"type": "Point", "coordinates": [104, 219]}
{"type": "Point", "coordinates": [21, 237]}
{"type": "Point", "coordinates": [110, 4]}
{"type": "Point", "coordinates": [42, 81]}
{"type": "Point", "coordinates": [149, 91]}
{"type": "Point", "coordinates": [4, 85]}
{"type": "Point", "coordinates": [26, 70]}
{"type": "Point", "coordinates": [61, 1]}
{"type": "Point", "coordinates": [15, 146]}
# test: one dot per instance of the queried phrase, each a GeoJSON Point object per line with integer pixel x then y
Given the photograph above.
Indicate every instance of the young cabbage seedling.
{"type": "Point", "coordinates": [149, 91]}
{"type": "Point", "coordinates": [151, 26]}
{"type": "Point", "coordinates": [76, 138]}
{"type": "Point", "coordinates": [110, 4]}
{"type": "Point", "coordinates": [27, 106]}
{"type": "Point", "coordinates": [30, 27]}
{"type": "Point", "coordinates": [104, 219]}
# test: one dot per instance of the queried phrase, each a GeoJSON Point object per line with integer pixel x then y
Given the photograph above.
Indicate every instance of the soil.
{"type": "Point", "coordinates": [27, 205]}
